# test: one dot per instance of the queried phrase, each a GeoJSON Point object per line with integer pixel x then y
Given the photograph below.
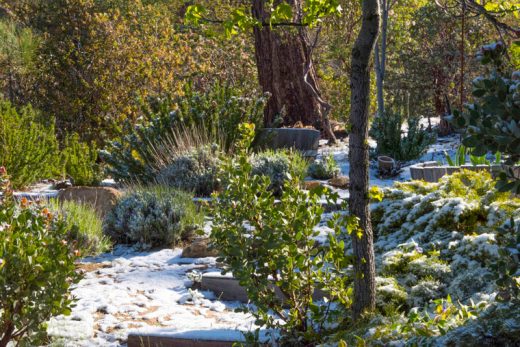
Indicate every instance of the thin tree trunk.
{"type": "Point", "coordinates": [284, 70]}
{"type": "Point", "coordinates": [380, 59]}
{"type": "Point", "coordinates": [363, 247]}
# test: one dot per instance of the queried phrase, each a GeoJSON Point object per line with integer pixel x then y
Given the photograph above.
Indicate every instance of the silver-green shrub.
{"type": "Point", "coordinates": [155, 216]}
{"type": "Point", "coordinates": [194, 171]}
{"type": "Point", "coordinates": [324, 169]}
{"type": "Point", "coordinates": [276, 165]}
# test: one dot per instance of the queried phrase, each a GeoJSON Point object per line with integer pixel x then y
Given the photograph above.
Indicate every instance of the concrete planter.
{"type": "Point", "coordinates": [432, 171]}
{"type": "Point", "coordinates": [386, 164]}
{"type": "Point", "coordinates": [302, 139]}
{"type": "Point", "coordinates": [227, 288]}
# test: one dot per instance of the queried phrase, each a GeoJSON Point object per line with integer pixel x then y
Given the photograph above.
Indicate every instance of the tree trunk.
{"type": "Point", "coordinates": [380, 59]}
{"type": "Point", "coordinates": [363, 247]}
{"type": "Point", "coordinates": [286, 72]}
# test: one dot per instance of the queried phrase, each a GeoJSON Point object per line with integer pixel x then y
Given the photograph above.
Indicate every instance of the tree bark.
{"type": "Point", "coordinates": [363, 247]}
{"type": "Point", "coordinates": [286, 72]}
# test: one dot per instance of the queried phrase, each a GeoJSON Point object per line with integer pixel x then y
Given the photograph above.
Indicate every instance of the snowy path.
{"type": "Point", "coordinates": [125, 291]}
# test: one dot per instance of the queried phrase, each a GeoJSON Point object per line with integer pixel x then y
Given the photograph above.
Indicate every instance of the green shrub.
{"type": "Point", "coordinates": [324, 169]}
{"type": "Point", "coordinates": [387, 131]}
{"type": "Point", "coordinates": [29, 149]}
{"type": "Point", "coordinates": [153, 217]}
{"type": "Point", "coordinates": [79, 162]}
{"type": "Point", "coordinates": [194, 171]}
{"type": "Point", "coordinates": [266, 244]}
{"type": "Point", "coordinates": [36, 268]}
{"type": "Point", "coordinates": [85, 227]}
{"type": "Point", "coordinates": [217, 111]}
{"type": "Point", "coordinates": [492, 120]}
{"type": "Point", "coordinates": [276, 165]}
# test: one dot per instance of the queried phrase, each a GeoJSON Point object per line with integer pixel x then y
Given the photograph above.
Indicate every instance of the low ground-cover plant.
{"type": "Point", "coordinates": [276, 165]}
{"type": "Point", "coordinates": [36, 268]}
{"type": "Point", "coordinates": [267, 244]}
{"type": "Point", "coordinates": [452, 238]}
{"type": "Point", "coordinates": [393, 142]}
{"type": "Point", "coordinates": [85, 227]}
{"type": "Point", "coordinates": [156, 216]}
{"type": "Point", "coordinates": [28, 147]}
{"type": "Point", "coordinates": [324, 169]}
{"type": "Point", "coordinates": [217, 112]}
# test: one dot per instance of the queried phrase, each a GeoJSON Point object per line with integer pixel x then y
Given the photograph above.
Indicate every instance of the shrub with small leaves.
{"type": "Point", "coordinates": [36, 268]}
{"type": "Point", "coordinates": [270, 244]}
{"type": "Point", "coordinates": [194, 171]}
{"type": "Point", "coordinates": [156, 216]}
{"type": "Point", "coordinates": [217, 111]}
{"type": "Point", "coordinates": [28, 148]}
{"type": "Point", "coordinates": [79, 162]}
{"type": "Point", "coordinates": [392, 141]}
{"type": "Point", "coordinates": [324, 169]}
{"type": "Point", "coordinates": [276, 165]}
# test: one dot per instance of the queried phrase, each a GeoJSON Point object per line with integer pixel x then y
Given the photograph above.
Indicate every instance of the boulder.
{"type": "Point", "coordinates": [340, 182]}
{"type": "Point", "coordinates": [199, 248]}
{"type": "Point", "coordinates": [103, 199]}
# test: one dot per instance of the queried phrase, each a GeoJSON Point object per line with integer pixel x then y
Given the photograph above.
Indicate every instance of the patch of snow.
{"type": "Point", "coordinates": [128, 290]}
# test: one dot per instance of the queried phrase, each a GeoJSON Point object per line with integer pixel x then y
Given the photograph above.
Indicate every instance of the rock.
{"type": "Point", "coordinates": [199, 248]}
{"type": "Point", "coordinates": [308, 185]}
{"type": "Point", "coordinates": [340, 182]}
{"type": "Point", "coordinates": [103, 199]}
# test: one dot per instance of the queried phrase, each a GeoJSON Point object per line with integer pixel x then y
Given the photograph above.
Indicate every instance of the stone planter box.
{"type": "Point", "coordinates": [302, 139]}
{"type": "Point", "coordinates": [432, 171]}
{"type": "Point", "coordinates": [227, 288]}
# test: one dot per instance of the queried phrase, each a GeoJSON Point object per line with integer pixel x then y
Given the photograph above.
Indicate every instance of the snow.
{"type": "Point", "coordinates": [435, 152]}
{"type": "Point", "coordinates": [133, 292]}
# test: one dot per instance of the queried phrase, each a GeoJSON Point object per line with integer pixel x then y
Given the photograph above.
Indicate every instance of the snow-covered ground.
{"type": "Point", "coordinates": [129, 291]}
{"type": "Point", "coordinates": [435, 152]}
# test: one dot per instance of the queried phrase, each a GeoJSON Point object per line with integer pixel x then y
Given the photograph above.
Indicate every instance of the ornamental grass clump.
{"type": "Point", "coordinates": [85, 227]}
{"type": "Point", "coordinates": [156, 216]}
{"type": "Point", "coordinates": [36, 268]}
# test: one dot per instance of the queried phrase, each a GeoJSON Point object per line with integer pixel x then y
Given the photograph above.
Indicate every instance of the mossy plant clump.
{"type": "Point", "coordinates": [444, 240]}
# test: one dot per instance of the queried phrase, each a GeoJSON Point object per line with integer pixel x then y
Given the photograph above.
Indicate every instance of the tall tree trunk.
{"type": "Point", "coordinates": [363, 247]}
{"type": "Point", "coordinates": [286, 72]}
{"type": "Point", "coordinates": [380, 59]}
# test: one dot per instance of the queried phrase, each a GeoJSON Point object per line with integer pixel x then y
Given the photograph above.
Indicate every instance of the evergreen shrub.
{"type": "Point", "coordinates": [36, 268]}
{"type": "Point", "coordinates": [156, 216]}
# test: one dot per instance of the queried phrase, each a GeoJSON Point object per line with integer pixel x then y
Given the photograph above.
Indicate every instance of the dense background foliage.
{"type": "Point", "coordinates": [91, 63]}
